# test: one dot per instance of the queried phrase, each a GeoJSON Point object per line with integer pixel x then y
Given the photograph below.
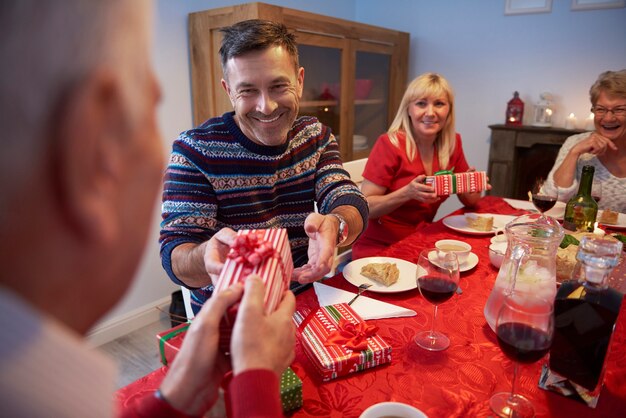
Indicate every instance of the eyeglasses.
{"type": "Point", "coordinates": [601, 111]}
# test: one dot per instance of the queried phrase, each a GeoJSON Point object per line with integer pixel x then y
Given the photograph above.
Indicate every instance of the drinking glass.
{"type": "Point", "coordinates": [525, 327]}
{"type": "Point", "coordinates": [437, 281]}
{"type": "Point", "coordinates": [596, 190]}
{"type": "Point", "coordinates": [544, 197]}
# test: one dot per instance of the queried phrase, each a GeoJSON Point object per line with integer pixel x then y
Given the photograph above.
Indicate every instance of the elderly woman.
{"type": "Point", "coordinates": [420, 141]}
{"type": "Point", "coordinates": [604, 148]}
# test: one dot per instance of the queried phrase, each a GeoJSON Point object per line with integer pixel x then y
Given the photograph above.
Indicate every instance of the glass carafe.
{"type": "Point", "coordinates": [529, 264]}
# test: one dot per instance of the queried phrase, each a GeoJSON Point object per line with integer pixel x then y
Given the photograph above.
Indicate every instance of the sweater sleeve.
{"type": "Point", "coordinates": [149, 406]}
{"type": "Point", "coordinates": [254, 394]}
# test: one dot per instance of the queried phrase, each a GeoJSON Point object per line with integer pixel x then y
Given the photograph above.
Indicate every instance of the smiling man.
{"type": "Point", "coordinates": [257, 167]}
{"type": "Point", "coordinates": [604, 148]}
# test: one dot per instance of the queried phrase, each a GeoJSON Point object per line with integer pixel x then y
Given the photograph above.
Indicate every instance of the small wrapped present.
{"type": "Point", "coordinates": [170, 342]}
{"type": "Point", "coordinates": [290, 390]}
{"type": "Point", "coordinates": [264, 252]}
{"type": "Point", "coordinates": [338, 341]}
{"type": "Point", "coordinates": [447, 183]}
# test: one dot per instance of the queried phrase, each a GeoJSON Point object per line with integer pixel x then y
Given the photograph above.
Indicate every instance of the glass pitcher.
{"type": "Point", "coordinates": [529, 263]}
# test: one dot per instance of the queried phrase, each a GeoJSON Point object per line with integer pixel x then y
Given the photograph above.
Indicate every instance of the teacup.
{"type": "Point", "coordinates": [460, 248]}
{"type": "Point", "coordinates": [392, 409]}
{"type": "Point", "coordinates": [496, 253]}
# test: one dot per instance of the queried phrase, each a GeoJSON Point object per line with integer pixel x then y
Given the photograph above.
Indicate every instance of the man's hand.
{"type": "Point", "coordinates": [216, 250]}
{"type": "Point", "coordinates": [193, 379]}
{"type": "Point", "coordinates": [259, 340]}
{"type": "Point", "coordinates": [322, 232]}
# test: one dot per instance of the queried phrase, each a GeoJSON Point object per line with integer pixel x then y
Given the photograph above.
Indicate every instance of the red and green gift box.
{"type": "Point", "coordinates": [338, 341]}
{"type": "Point", "coordinates": [447, 182]}
{"type": "Point", "coordinates": [170, 342]}
{"type": "Point", "coordinates": [265, 252]}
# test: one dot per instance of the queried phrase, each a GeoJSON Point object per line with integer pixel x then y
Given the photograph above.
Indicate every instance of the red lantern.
{"type": "Point", "coordinates": [515, 111]}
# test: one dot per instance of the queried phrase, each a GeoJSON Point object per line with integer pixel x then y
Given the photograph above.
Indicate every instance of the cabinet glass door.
{"type": "Point", "coordinates": [322, 87]}
{"type": "Point", "coordinates": [371, 98]}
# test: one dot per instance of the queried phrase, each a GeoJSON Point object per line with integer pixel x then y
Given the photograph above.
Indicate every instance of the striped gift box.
{"type": "Point", "coordinates": [447, 184]}
{"type": "Point", "coordinates": [332, 361]}
{"type": "Point", "coordinates": [275, 269]}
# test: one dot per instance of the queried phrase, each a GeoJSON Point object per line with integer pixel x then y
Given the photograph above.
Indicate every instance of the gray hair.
{"type": "Point", "coordinates": [47, 49]}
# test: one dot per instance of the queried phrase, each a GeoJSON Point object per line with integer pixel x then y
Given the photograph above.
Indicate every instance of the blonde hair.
{"type": "Point", "coordinates": [428, 84]}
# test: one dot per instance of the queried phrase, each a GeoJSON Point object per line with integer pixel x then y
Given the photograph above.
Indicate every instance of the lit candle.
{"type": "Point", "coordinates": [570, 122]}
{"type": "Point", "coordinates": [589, 125]}
{"type": "Point", "coordinates": [598, 231]}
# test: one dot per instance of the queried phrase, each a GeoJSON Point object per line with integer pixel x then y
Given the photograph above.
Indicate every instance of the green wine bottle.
{"type": "Point", "coordinates": [582, 209]}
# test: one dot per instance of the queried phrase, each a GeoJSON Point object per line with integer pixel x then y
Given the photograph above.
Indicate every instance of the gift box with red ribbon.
{"type": "Point", "coordinates": [170, 342]}
{"type": "Point", "coordinates": [338, 341]}
{"type": "Point", "coordinates": [265, 252]}
{"type": "Point", "coordinates": [447, 183]}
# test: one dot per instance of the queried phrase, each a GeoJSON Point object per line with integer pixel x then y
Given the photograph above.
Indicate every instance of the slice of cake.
{"type": "Point", "coordinates": [479, 223]}
{"type": "Point", "coordinates": [608, 217]}
{"type": "Point", "coordinates": [384, 273]}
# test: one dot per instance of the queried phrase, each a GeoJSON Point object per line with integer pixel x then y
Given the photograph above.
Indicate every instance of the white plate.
{"type": "Point", "coordinates": [458, 223]}
{"type": "Point", "coordinates": [470, 263]}
{"type": "Point", "coordinates": [621, 221]}
{"type": "Point", "coordinates": [392, 409]}
{"type": "Point", "coordinates": [406, 281]}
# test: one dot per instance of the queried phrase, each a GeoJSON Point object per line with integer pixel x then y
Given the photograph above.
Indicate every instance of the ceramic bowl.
{"type": "Point", "coordinates": [392, 409]}
{"type": "Point", "coordinates": [496, 253]}
{"type": "Point", "coordinates": [460, 248]}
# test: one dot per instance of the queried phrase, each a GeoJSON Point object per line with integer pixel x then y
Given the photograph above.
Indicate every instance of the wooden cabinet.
{"type": "Point", "coordinates": [355, 74]}
{"type": "Point", "coordinates": [519, 155]}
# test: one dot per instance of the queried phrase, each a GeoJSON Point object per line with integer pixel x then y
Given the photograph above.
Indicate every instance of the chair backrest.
{"type": "Point", "coordinates": [355, 169]}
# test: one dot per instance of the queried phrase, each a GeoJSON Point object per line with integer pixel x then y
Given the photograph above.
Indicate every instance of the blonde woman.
{"type": "Point", "coordinates": [420, 141]}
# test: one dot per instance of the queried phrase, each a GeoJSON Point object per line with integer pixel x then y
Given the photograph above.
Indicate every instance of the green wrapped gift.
{"type": "Point", "coordinates": [290, 390]}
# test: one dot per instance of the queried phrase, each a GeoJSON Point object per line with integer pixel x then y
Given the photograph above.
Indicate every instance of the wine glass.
{"type": "Point", "coordinates": [596, 190]}
{"type": "Point", "coordinates": [437, 280]}
{"type": "Point", "coordinates": [525, 327]}
{"type": "Point", "coordinates": [544, 196]}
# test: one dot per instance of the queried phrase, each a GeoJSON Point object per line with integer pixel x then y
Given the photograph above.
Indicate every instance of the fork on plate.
{"type": "Point", "coordinates": [362, 288]}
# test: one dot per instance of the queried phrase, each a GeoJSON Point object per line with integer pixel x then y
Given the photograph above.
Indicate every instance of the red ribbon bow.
{"type": "Point", "coordinates": [251, 250]}
{"type": "Point", "coordinates": [352, 336]}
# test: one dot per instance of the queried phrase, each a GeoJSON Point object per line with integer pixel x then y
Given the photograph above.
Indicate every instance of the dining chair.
{"type": "Point", "coordinates": [187, 300]}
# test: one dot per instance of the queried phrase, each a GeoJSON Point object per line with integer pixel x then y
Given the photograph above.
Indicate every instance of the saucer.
{"type": "Point", "coordinates": [470, 263]}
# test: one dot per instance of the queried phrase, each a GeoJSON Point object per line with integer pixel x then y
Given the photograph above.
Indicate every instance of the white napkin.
{"type": "Point", "coordinates": [367, 308]}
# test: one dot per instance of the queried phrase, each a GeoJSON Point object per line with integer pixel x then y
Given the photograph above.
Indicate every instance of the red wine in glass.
{"type": "Point", "coordinates": [525, 328]}
{"type": "Point", "coordinates": [521, 342]}
{"type": "Point", "coordinates": [596, 198]}
{"type": "Point", "coordinates": [543, 203]}
{"type": "Point", "coordinates": [436, 290]}
{"type": "Point", "coordinates": [437, 277]}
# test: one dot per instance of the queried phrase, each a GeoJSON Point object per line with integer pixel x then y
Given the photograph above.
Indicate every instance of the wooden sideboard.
{"type": "Point", "coordinates": [519, 155]}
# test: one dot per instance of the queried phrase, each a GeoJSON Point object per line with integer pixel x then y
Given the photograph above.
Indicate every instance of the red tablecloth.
{"type": "Point", "coordinates": [457, 382]}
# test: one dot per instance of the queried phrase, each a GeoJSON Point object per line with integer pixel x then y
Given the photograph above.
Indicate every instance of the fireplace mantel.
{"type": "Point", "coordinates": [519, 155]}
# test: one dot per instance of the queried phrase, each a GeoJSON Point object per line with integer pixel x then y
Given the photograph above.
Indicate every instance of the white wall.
{"type": "Point", "coordinates": [484, 54]}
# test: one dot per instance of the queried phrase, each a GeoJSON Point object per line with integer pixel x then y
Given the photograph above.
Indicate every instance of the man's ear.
{"type": "Point", "coordinates": [300, 81]}
{"type": "Point", "coordinates": [88, 157]}
{"type": "Point", "coordinates": [227, 90]}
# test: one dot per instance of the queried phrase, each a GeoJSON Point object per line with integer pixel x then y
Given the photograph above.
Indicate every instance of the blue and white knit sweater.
{"type": "Point", "coordinates": [218, 178]}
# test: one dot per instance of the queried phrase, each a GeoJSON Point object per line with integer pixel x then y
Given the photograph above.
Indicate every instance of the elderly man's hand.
{"type": "Point", "coordinates": [322, 232]}
{"type": "Point", "coordinates": [259, 340]}
{"type": "Point", "coordinates": [193, 379]}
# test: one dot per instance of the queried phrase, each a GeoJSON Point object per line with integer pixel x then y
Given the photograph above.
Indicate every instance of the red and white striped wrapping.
{"type": "Point", "coordinates": [337, 360]}
{"type": "Point", "coordinates": [447, 184]}
{"type": "Point", "coordinates": [275, 270]}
